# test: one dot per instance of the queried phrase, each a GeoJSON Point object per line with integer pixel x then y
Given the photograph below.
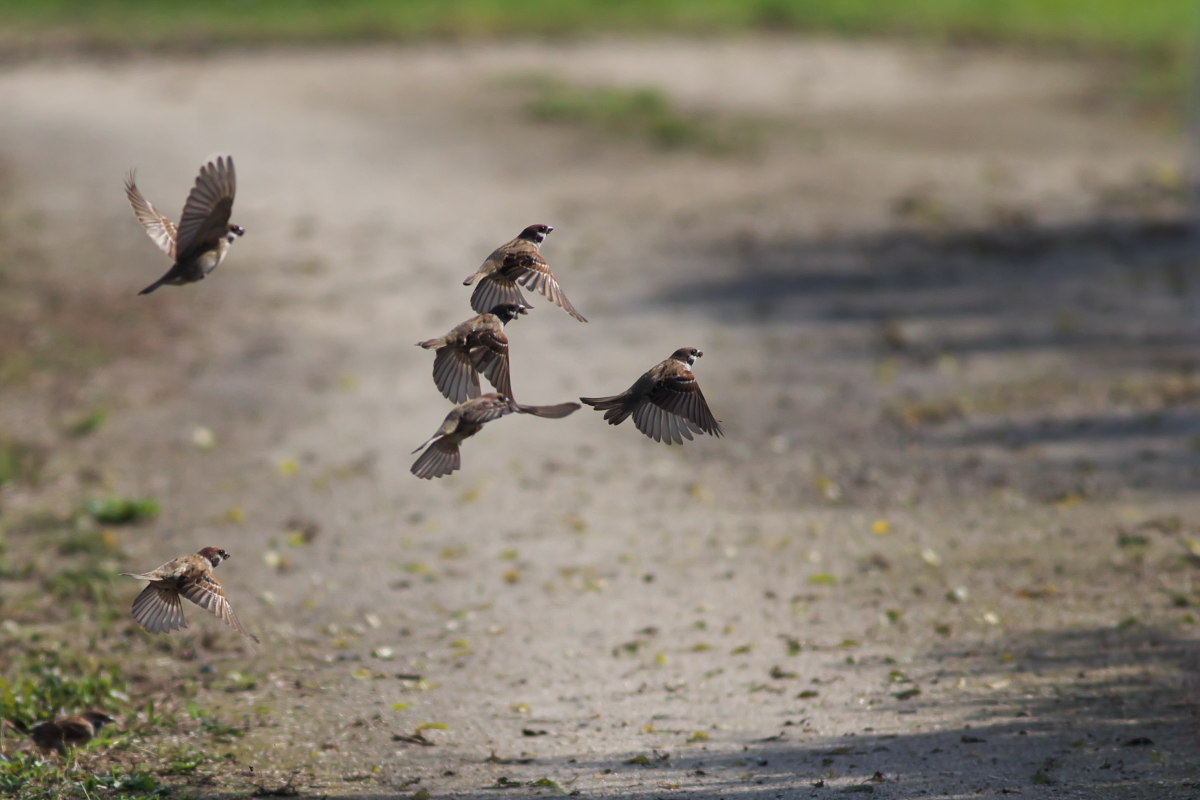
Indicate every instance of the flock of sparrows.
{"type": "Point", "coordinates": [666, 402]}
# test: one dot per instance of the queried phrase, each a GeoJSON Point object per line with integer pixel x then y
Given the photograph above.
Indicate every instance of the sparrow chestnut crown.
{"type": "Point", "coordinates": [536, 233]}
{"type": "Point", "coordinates": [214, 554]}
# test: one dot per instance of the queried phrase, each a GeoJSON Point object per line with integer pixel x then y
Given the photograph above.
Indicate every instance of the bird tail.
{"type": "Point", "coordinates": [153, 286]}
{"type": "Point", "coordinates": [429, 344]}
{"type": "Point", "coordinates": [615, 409]}
{"type": "Point", "coordinates": [548, 412]}
{"type": "Point", "coordinates": [16, 725]}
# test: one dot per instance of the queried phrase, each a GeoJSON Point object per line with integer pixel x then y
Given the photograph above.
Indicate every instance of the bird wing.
{"type": "Point", "coordinates": [454, 373]}
{"type": "Point", "coordinates": [207, 593]}
{"type": "Point", "coordinates": [205, 217]}
{"type": "Point", "coordinates": [161, 230]}
{"type": "Point", "coordinates": [529, 269]}
{"type": "Point", "coordinates": [493, 290]}
{"type": "Point", "coordinates": [661, 425]}
{"type": "Point", "coordinates": [489, 356]}
{"type": "Point", "coordinates": [75, 731]}
{"type": "Point", "coordinates": [678, 393]}
{"type": "Point", "coordinates": [440, 459]}
{"type": "Point", "coordinates": [158, 609]}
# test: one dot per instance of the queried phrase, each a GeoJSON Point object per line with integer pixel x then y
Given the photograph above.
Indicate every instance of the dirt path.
{"type": "Point", "coordinates": [949, 541]}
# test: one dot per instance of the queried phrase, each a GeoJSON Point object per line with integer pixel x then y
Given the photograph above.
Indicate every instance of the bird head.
{"type": "Point", "coordinates": [507, 312]}
{"type": "Point", "coordinates": [536, 233]}
{"type": "Point", "coordinates": [215, 555]}
{"type": "Point", "coordinates": [98, 719]}
{"type": "Point", "coordinates": [687, 355]}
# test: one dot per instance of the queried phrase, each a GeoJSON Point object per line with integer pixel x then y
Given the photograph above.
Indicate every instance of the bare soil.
{"type": "Point", "coordinates": [949, 547]}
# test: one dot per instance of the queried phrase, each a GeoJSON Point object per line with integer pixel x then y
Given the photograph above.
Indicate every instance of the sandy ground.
{"type": "Point", "coordinates": [947, 549]}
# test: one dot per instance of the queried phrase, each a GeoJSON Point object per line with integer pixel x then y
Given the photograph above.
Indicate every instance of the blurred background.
{"type": "Point", "coordinates": [940, 257]}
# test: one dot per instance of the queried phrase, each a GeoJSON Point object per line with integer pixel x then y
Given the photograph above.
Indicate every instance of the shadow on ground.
{"type": "Point", "coordinates": [1071, 345]}
{"type": "Point", "coordinates": [1112, 707]}
{"type": "Point", "coordinates": [1005, 276]}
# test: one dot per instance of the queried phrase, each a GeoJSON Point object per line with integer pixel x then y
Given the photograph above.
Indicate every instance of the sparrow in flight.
{"type": "Point", "coordinates": [518, 262]}
{"type": "Point", "coordinates": [477, 346]}
{"type": "Point", "coordinates": [202, 238]}
{"type": "Point", "coordinates": [158, 608]}
{"type": "Point", "coordinates": [75, 730]}
{"type": "Point", "coordinates": [666, 403]}
{"type": "Point", "coordinates": [441, 456]}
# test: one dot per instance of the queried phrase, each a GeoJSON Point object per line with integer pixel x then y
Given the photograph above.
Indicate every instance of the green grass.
{"type": "Point", "coordinates": [645, 114]}
{"type": "Point", "coordinates": [1155, 26]}
{"type": "Point", "coordinates": [139, 756]}
{"type": "Point", "coordinates": [44, 682]}
{"type": "Point", "coordinates": [37, 779]}
{"type": "Point", "coordinates": [67, 651]}
{"type": "Point", "coordinates": [120, 510]}
{"type": "Point", "coordinates": [87, 424]}
{"type": "Point", "coordinates": [20, 462]}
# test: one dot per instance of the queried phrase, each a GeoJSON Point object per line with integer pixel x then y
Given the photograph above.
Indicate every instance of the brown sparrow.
{"type": "Point", "coordinates": [75, 730]}
{"type": "Point", "coordinates": [466, 420]}
{"type": "Point", "coordinates": [518, 262]}
{"type": "Point", "coordinates": [666, 403]}
{"type": "Point", "coordinates": [204, 234]}
{"type": "Point", "coordinates": [158, 608]}
{"type": "Point", "coordinates": [477, 346]}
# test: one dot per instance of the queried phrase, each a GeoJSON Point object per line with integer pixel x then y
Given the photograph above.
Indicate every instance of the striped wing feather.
{"type": "Point", "coordinates": [158, 609]}
{"type": "Point", "coordinates": [493, 290]}
{"type": "Point", "coordinates": [535, 274]}
{"type": "Point", "coordinates": [682, 397]}
{"type": "Point", "coordinates": [209, 595]}
{"type": "Point", "coordinates": [490, 358]}
{"type": "Point", "coordinates": [161, 230]}
{"type": "Point", "coordinates": [440, 458]}
{"type": "Point", "coordinates": [454, 374]}
{"type": "Point", "coordinates": [205, 217]}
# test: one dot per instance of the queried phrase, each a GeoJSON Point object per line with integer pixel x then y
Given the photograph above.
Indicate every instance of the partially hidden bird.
{"type": "Point", "coordinates": [666, 402]}
{"type": "Point", "coordinates": [476, 347]}
{"type": "Point", "coordinates": [158, 608]}
{"type": "Point", "coordinates": [513, 264]}
{"type": "Point", "coordinates": [203, 237]}
{"type": "Point", "coordinates": [441, 456]}
{"type": "Point", "coordinates": [74, 730]}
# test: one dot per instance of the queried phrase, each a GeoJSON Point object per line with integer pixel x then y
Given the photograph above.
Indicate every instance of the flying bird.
{"type": "Point", "coordinates": [75, 730]}
{"type": "Point", "coordinates": [158, 608]}
{"type": "Point", "coordinates": [441, 456]}
{"type": "Point", "coordinates": [518, 262]}
{"type": "Point", "coordinates": [666, 403]}
{"type": "Point", "coordinates": [477, 346]}
{"type": "Point", "coordinates": [202, 238]}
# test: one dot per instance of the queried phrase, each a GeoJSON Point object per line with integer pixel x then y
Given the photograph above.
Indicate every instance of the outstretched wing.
{"type": "Point", "coordinates": [207, 593]}
{"type": "Point", "coordinates": [679, 395]}
{"type": "Point", "coordinates": [493, 290]}
{"type": "Point", "coordinates": [440, 459]}
{"type": "Point", "coordinates": [454, 374]}
{"type": "Point", "coordinates": [490, 357]}
{"type": "Point", "coordinates": [205, 217]}
{"type": "Point", "coordinates": [160, 229]}
{"type": "Point", "coordinates": [158, 608]}
{"type": "Point", "coordinates": [531, 271]}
